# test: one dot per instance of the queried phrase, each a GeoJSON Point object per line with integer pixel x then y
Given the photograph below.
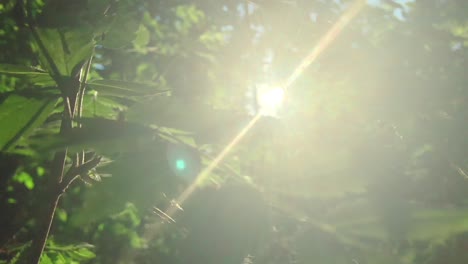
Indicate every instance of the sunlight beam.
{"type": "Point", "coordinates": [205, 172]}
{"type": "Point", "coordinates": [316, 51]}
{"type": "Point", "coordinates": [325, 41]}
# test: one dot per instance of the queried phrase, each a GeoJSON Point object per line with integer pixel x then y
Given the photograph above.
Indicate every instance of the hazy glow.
{"type": "Point", "coordinates": [270, 100]}
{"type": "Point", "coordinates": [325, 41]}
{"type": "Point", "coordinates": [205, 172]}
{"type": "Point", "coordinates": [275, 97]}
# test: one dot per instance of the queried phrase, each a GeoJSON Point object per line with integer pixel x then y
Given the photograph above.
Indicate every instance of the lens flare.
{"type": "Point", "coordinates": [214, 163]}
{"type": "Point", "coordinates": [180, 164]}
{"type": "Point", "coordinates": [275, 97]}
{"type": "Point", "coordinates": [325, 41]}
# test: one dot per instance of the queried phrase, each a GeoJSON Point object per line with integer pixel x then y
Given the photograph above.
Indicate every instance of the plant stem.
{"type": "Point", "coordinates": [58, 186]}
{"type": "Point", "coordinates": [57, 172]}
{"type": "Point", "coordinates": [39, 242]}
{"type": "Point", "coordinates": [71, 95]}
{"type": "Point", "coordinates": [58, 164]}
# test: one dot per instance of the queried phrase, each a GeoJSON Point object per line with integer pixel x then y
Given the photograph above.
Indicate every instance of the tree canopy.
{"type": "Point", "coordinates": [280, 131]}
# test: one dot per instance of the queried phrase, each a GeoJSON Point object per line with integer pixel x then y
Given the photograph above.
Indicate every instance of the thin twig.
{"type": "Point", "coordinates": [81, 93]}
{"type": "Point", "coordinates": [82, 169]}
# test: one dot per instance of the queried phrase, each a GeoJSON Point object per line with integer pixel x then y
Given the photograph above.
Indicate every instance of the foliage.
{"type": "Point", "coordinates": [366, 163]}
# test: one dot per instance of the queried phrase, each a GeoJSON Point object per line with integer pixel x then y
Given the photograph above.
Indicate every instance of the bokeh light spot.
{"type": "Point", "coordinates": [180, 164]}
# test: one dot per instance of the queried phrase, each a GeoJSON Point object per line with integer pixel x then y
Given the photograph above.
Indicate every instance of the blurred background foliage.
{"type": "Point", "coordinates": [367, 161]}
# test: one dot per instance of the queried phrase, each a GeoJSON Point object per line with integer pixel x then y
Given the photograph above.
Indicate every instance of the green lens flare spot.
{"type": "Point", "coordinates": [180, 164]}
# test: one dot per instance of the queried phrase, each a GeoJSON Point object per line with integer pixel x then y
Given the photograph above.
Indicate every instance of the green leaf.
{"type": "Point", "coordinates": [141, 175]}
{"type": "Point", "coordinates": [67, 49]}
{"type": "Point", "coordinates": [45, 259]}
{"type": "Point", "coordinates": [61, 259]}
{"type": "Point", "coordinates": [40, 171]}
{"type": "Point", "coordinates": [85, 253]}
{"type": "Point", "coordinates": [356, 219]}
{"type": "Point", "coordinates": [20, 115]}
{"type": "Point", "coordinates": [352, 221]}
{"type": "Point", "coordinates": [142, 37]}
{"type": "Point", "coordinates": [104, 135]}
{"type": "Point", "coordinates": [81, 254]}
{"type": "Point", "coordinates": [94, 105]}
{"type": "Point", "coordinates": [208, 124]}
{"type": "Point", "coordinates": [124, 89]}
{"type": "Point", "coordinates": [62, 214]}
{"type": "Point", "coordinates": [178, 136]}
{"type": "Point", "coordinates": [25, 179]}
{"type": "Point", "coordinates": [438, 224]}
{"type": "Point", "coordinates": [123, 26]}
{"type": "Point", "coordinates": [27, 73]}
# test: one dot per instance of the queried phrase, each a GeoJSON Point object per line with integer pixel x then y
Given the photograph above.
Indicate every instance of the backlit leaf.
{"type": "Point", "coordinates": [25, 179]}
{"type": "Point", "coordinates": [142, 37]}
{"type": "Point", "coordinates": [86, 253]}
{"type": "Point", "coordinates": [45, 259]}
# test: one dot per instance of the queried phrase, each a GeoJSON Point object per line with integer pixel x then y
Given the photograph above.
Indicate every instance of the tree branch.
{"type": "Point", "coordinates": [75, 171]}
{"type": "Point", "coordinates": [58, 164]}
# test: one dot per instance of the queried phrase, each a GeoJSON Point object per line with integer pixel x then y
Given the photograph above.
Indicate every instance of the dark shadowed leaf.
{"type": "Point", "coordinates": [27, 73]}
{"type": "Point", "coordinates": [67, 49]}
{"type": "Point", "coordinates": [103, 135]}
{"type": "Point", "coordinates": [207, 124]}
{"type": "Point", "coordinates": [139, 177]}
{"type": "Point", "coordinates": [19, 116]}
{"type": "Point", "coordinates": [358, 222]}
{"type": "Point", "coordinates": [438, 224]}
{"type": "Point", "coordinates": [123, 25]}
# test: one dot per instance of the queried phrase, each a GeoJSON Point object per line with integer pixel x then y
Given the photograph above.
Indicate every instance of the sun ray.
{"type": "Point", "coordinates": [213, 164]}
{"type": "Point", "coordinates": [323, 43]}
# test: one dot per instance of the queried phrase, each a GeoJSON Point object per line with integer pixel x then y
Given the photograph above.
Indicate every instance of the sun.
{"type": "Point", "coordinates": [270, 100]}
